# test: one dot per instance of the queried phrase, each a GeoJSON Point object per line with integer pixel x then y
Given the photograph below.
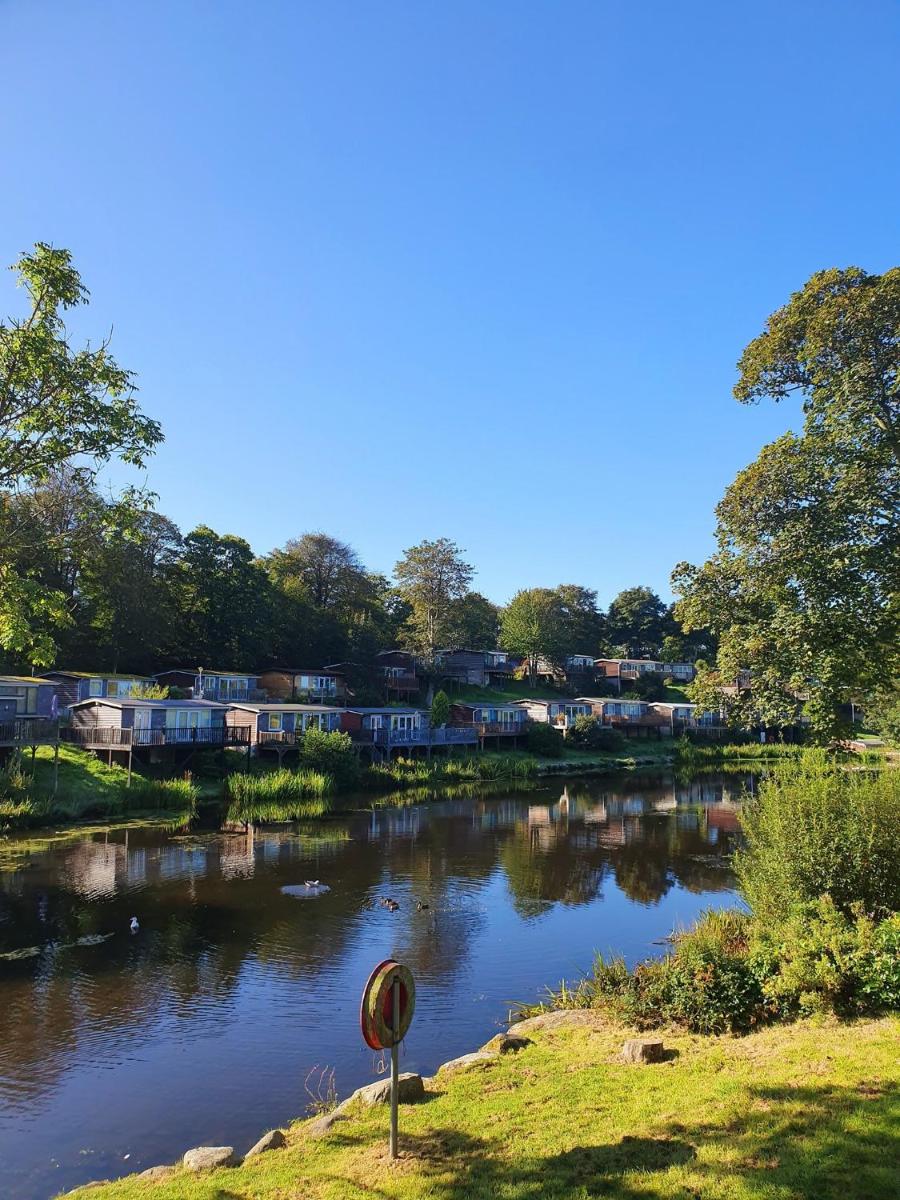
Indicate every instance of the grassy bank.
{"type": "Point", "coordinates": [87, 788]}
{"type": "Point", "coordinates": [808, 1112]}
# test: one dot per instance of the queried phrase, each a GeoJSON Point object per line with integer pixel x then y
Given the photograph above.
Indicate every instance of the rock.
{"type": "Point", "coordinates": [505, 1043]}
{"type": "Point", "coordinates": [411, 1089]}
{"type": "Point", "coordinates": [322, 1124]}
{"type": "Point", "coordinates": [273, 1140]}
{"type": "Point", "coordinates": [564, 1018]}
{"type": "Point", "coordinates": [156, 1173]}
{"type": "Point", "coordinates": [207, 1158]}
{"type": "Point", "coordinates": [648, 1050]}
{"type": "Point", "coordinates": [478, 1059]}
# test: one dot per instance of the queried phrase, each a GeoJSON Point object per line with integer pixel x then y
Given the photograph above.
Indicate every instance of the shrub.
{"type": "Point", "coordinates": [817, 829]}
{"type": "Point", "coordinates": [331, 754]}
{"type": "Point", "coordinates": [649, 686]}
{"type": "Point", "coordinates": [544, 741]}
{"type": "Point", "coordinates": [592, 734]}
{"type": "Point", "coordinates": [440, 710]}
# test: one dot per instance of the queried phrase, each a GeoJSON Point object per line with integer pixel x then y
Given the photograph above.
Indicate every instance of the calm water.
{"type": "Point", "coordinates": [204, 1026]}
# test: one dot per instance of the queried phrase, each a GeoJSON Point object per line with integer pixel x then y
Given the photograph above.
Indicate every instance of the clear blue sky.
{"type": "Point", "coordinates": [477, 269]}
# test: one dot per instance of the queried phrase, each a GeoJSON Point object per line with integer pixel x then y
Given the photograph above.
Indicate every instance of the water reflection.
{"type": "Point", "coordinates": [203, 1025]}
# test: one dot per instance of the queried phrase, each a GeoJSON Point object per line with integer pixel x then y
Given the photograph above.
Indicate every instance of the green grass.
{"type": "Point", "coordinates": [804, 1112]}
{"type": "Point", "coordinates": [88, 788]}
{"type": "Point", "coordinates": [280, 795]}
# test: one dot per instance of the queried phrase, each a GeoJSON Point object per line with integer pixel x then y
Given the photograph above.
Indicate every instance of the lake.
{"type": "Point", "coordinates": [120, 1051]}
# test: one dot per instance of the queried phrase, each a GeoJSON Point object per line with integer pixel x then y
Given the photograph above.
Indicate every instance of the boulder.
{"type": "Point", "coordinates": [644, 1050]}
{"type": "Point", "coordinates": [207, 1158]}
{"type": "Point", "coordinates": [273, 1140]}
{"type": "Point", "coordinates": [322, 1124]}
{"type": "Point", "coordinates": [564, 1018]}
{"type": "Point", "coordinates": [411, 1089]}
{"type": "Point", "coordinates": [506, 1043]}
{"type": "Point", "coordinates": [480, 1058]}
{"type": "Point", "coordinates": [156, 1173]}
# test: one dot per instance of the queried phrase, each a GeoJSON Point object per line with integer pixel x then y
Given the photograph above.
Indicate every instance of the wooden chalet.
{"type": "Point", "coordinates": [72, 686]}
{"type": "Point", "coordinates": [491, 720]}
{"type": "Point", "coordinates": [223, 687]}
{"type": "Point", "coordinates": [303, 685]}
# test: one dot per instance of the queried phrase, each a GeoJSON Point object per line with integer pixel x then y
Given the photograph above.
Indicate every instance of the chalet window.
{"type": "Point", "coordinates": [95, 687]}
{"type": "Point", "coordinates": [274, 722]}
{"type": "Point", "coordinates": [25, 698]}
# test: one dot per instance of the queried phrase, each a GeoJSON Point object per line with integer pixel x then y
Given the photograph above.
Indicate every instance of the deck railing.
{"type": "Point", "coordinates": [498, 728]}
{"type": "Point", "coordinates": [111, 736]}
{"type": "Point", "coordinates": [25, 731]}
{"type": "Point", "coordinates": [449, 735]}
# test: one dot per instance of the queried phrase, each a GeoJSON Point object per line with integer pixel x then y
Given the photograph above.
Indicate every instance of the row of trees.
{"type": "Point", "coordinates": [107, 582]}
{"type": "Point", "coordinates": [804, 588]}
{"type": "Point", "coordinates": [116, 586]}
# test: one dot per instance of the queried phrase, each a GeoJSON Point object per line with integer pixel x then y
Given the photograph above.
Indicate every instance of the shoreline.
{"type": "Point", "coordinates": [687, 1115]}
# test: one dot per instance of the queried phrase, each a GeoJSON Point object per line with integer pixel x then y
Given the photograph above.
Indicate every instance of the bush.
{"type": "Point", "coordinates": [817, 829]}
{"type": "Point", "coordinates": [823, 960]}
{"type": "Point", "coordinates": [591, 734]}
{"type": "Point", "coordinates": [544, 741]}
{"type": "Point", "coordinates": [440, 710]}
{"type": "Point", "coordinates": [649, 686]}
{"type": "Point", "coordinates": [331, 754]}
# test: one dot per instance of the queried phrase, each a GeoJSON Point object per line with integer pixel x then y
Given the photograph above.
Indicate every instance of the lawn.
{"type": "Point", "coordinates": [803, 1112]}
{"type": "Point", "coordinates": [515, 689]}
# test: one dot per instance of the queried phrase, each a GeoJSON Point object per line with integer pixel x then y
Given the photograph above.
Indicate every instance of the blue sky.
{"type": "Point", "coordinates": [477, 269]}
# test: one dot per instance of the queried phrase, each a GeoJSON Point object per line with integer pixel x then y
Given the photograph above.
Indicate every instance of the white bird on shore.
{"type": "Point", "coordinates": [311, 882]}
{"type": "Point", "coordinates": [134, 927]}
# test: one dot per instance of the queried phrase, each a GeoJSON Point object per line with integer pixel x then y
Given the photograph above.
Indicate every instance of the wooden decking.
{"type": "Point", "coordinates": [109, 737]}
{"type": "Point", "coordinates": [29, 731]}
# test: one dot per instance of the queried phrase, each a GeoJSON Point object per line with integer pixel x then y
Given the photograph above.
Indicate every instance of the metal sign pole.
{"type": "Point", "coordinates": [395, 1064]}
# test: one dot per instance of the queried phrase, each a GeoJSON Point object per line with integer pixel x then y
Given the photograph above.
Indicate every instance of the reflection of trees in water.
{"type": "Point", "coordinates": [209, 904]}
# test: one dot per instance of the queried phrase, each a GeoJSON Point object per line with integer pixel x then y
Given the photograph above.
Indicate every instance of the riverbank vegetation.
{"type": "Point", "coordinates": [820, 875]}
{"type": "Point", "coordinates": [86, 788]}
{"type": "Point", "coordinates": [806, 1111]}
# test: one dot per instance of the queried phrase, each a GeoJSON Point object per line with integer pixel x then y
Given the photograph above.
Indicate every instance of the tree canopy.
{"type": "Point", "coordinates": [804, 588]}
{"type": "Point", "coordinates": [429, 577]}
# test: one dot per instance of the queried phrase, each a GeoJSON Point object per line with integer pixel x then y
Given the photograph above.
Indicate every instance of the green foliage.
{"type": "Point", "coordinates": [649, 686]}
{"type": "Point", "coordinates": [440, 710]}
{"type": "Point", "coordinates": [430, 577]}
{"type": "Point", "coordinates": [278, 796]}
{"type": "Point", "coordinates": [331, 754]}
{"type": "Point", "coordinates": [637, 622]}
{"type": "Point", "coordinates": [58, 406]}
{"type": "Point", "coordinates": [591, 734]}
{"type": "Point", "coordinates": [821, 959]}
{"type": "Point", "coordinates": [473, 623]}
{"type": "Point", "coordinates": [544, 741]}
{"type": "Point", "coordinates": [817, 829]}
{"type": "Point", "coordinates": [418, 772]}
{"type": "Point", "coordinates": [803, 587]}
{"type": "Point", "coordinates": [533, 626]}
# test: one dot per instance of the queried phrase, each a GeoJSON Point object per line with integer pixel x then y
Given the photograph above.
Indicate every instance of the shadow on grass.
{"type": "Point", "coordinates": [812, 1143]}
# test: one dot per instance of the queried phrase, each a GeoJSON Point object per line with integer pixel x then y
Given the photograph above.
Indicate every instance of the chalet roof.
{"type": "Point", "coordinates": [136, 702]}
{"type": "Point", "coordinates": [206, 671]}
{"type": "Point", "coordinates": [517, 704]}
{"type": "Point", "coordinates": [276, 706]}
{"type": "Point", "coordinates": [671, 704]}
{"type": "Point", "coordinates": [97, 675]}
{"type": "Point", "coordinates": [298, 671]}
{"type": "Point", "coordinates": [392, 710]}
{"type": "Point", "coordinates": [18, 680]}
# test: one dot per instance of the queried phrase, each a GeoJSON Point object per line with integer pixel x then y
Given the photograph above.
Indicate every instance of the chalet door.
{"type": "Point", "coordinates": [141, 723]}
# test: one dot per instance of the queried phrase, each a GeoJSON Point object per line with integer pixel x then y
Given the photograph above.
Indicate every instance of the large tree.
{"type": "Point", "coordinates": [58, 406]}
{"type": "Point", "coordinates": [804, 589]}
{"type": "Point", "coordinates": [533, 625]}
{"type": "Point", "coordinates": [225, 603]}
{"type": "Point", "coordinates": [473, 623]}
{"type": "Point", "coordinates": [429, 577]}
{"type": "Point", "coordinates": [637, 621]}
{"type": "Point", "coordinates": [584, 626]}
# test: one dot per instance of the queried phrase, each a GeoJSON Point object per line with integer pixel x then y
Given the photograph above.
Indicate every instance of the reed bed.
{"type": "Point", "coordinates": [417, 772]}
{"type": "Point", "coordinates": [281, 795]}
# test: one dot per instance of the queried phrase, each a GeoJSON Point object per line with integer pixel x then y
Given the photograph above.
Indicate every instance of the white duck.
{"type": "Point", "coordinates": [134, 926]}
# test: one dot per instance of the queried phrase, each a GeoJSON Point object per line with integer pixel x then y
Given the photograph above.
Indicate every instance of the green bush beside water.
{"type": "Point", "coordinates": [820, 872]}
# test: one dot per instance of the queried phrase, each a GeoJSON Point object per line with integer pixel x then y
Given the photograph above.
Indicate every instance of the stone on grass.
{"type": "Point", "coordinates": [643, 1050]}
{"type": "Point", "coordinates": [322, 1124]}
{"type": "Point", "coordinates": [207, 1158]}
{"type": "Point", "coordinates": [156, 1173]}
{"type": "Point", "coordinates": [563, 1018]}
{"type": "Point", "coordinates": [411, 1088]}
{"type": "Point", "coordinates": [478, 1059]}
{"type": "Point", "coordinates": [273, 1140]}
{"type": "Point", "coordinates": [506, 1043]}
